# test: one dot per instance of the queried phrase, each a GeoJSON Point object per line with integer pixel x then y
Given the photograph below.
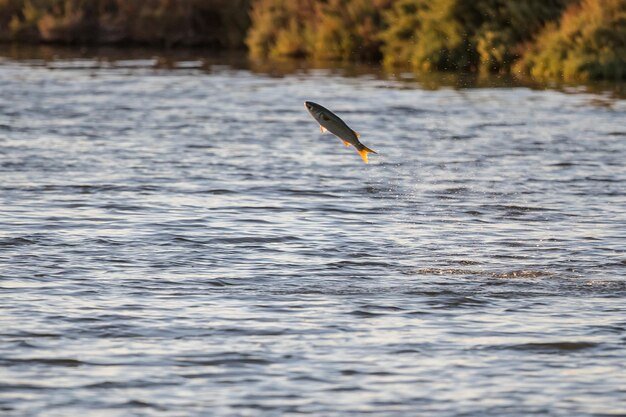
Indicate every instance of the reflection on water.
{"type": "Point", "coordinates": [178, 239]}
{"type": "Point", "coordinates": [189, 59]}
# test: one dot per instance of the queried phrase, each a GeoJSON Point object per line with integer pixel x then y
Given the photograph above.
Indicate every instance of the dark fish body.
{"type": "Point", "coordinates": [332, 123]}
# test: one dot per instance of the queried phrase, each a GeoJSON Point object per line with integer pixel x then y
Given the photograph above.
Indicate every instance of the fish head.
{"type": "Point", "coordinates": [315, 109]}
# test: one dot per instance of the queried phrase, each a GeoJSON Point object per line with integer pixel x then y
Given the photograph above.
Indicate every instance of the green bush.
{"type": "Point", "coordinates": [349, 30]}
{"type": "Point", "coordinates": [281, 28]}
{"type": "Point", "coordinates": [571, 39]}
{"type": "Point", "coordinates": [332, 29]}
{"type": "Point", "coordinates": [589, 42]}
{"type": "Point", "coordinates": [463, 35]}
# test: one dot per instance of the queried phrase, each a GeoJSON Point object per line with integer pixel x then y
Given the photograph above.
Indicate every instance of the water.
{"type": "Point", "coordinates": [181, 240]}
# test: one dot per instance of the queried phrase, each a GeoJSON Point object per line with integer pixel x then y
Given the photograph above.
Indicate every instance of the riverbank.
{"type": "Point", "coordinates": [557, 39]}
{"type": "Point", "coordinates": [566, 40]}
{"type": "Point", "coordinates": [216, 24]}
{"type": "Point", "coordinates": [187, 59]}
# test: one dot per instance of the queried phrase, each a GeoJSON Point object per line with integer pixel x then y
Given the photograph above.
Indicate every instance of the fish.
{"type": "Point", "coordinates": [330, 122]}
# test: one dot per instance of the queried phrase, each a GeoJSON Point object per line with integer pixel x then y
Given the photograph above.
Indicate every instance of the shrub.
{"type": "Point", "coordinates": [331, 29]}
{"type": "Point", "coordinates": [219, 23]}
{"type": "Point", "coordinates": [349, 30]}
{"type": "Point", "coordinates": [462, 35]}
{"type": "Point", "coordinates": [68, 21]}
{"type": "Point", "coordinates": [589, 42]}
{"type": "Point", "coordinates": [282, 28]}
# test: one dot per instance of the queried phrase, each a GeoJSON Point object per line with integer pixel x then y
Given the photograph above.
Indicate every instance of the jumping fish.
{"type": "Point", "coordinates": [330, 122]}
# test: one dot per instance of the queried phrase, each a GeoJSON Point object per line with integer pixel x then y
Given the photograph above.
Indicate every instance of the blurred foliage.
{"type": "Point", "coordinates": [325, 29]}
{"type": "Point", "coordinates": [425, 34]}
{"type": "Point", "coordinates": [219, 23]}
{"type": "Point", "coordinates": [349, 30]}
{"type": "Point", "coordinates": [463, 35]}
{"type": "Point", "coordinates": [589, 42]}
{"type": "Point", "coordinates": [571, 39]}
{"type": "Point", "coordinates": [282, 28]}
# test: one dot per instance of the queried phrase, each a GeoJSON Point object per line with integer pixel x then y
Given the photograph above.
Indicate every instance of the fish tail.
{"type": "Point", "coordinates": [363, 151]}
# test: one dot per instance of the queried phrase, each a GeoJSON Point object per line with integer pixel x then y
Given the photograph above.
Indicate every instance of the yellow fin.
{"type": "Point", "coordinates": [358, 135]}
{"type": "Point", "coordinates": [323, 129]}
{"type": "Point", "coordinates": [345, 142]}
{"type": "Point", "coordinates": [364, 151]}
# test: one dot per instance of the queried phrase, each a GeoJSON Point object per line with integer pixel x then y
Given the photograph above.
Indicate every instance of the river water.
{"type": "Point", "coordinates": [181, 240]}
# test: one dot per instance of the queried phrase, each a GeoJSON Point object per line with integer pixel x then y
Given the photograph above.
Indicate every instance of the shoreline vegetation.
{"type": "Point", "coordinates": [570, 40]}
{"type": "Point", "coordinates": [216, 24]}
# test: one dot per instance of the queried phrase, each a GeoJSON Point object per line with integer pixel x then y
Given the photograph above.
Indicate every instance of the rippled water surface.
{"type": "Point", "coordinates": [183, 241]}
